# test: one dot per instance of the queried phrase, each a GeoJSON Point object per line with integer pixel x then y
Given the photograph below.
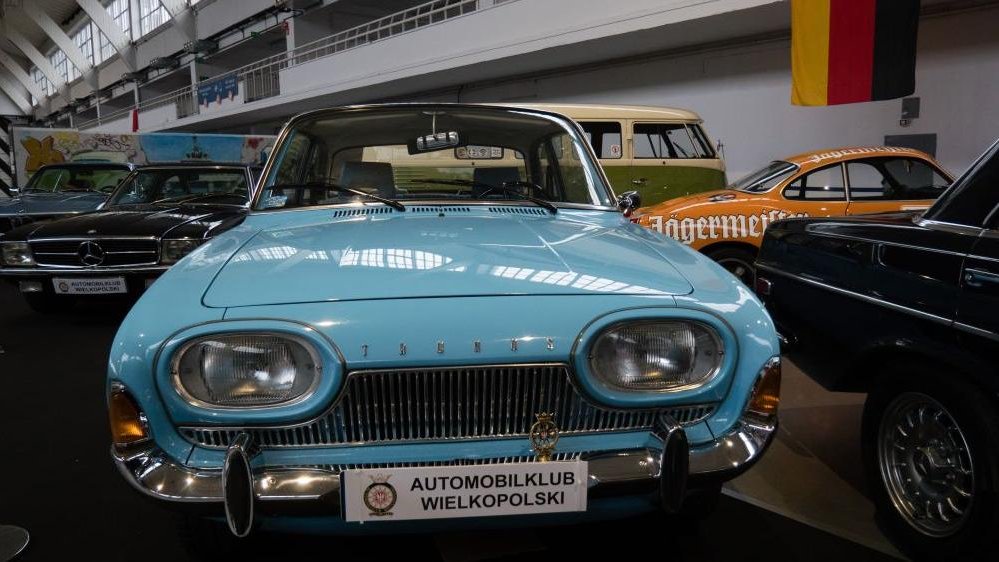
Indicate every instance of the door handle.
{"type": "Point", "coordinates": [639, 181]}
{"type": "Point", "coordinates": [978, 277]}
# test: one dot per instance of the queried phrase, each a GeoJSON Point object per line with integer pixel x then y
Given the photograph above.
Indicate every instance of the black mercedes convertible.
{"type": "Point", "coordinates": [156, 216]}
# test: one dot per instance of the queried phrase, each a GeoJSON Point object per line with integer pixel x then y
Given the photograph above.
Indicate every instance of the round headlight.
{"type": "Point", "coordinates": [661, 355]}
{"type": "Point", "coordinates": [246, 370]}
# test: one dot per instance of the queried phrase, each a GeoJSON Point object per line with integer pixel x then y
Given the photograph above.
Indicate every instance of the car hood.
{"type": "Point", "coordinates": [688, 201]}
{"type": "Point", "coordinates": [158, 221]}
{"type": "Point", "coordinates": [41, 203]}
{"type": "Point", "coordinates": [409, 255]}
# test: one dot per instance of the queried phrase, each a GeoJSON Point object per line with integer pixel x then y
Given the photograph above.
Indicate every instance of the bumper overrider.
{"type": "Point", "coordinates": [245, 486]}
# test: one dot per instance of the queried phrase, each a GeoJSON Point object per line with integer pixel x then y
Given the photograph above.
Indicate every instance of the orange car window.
{"type": "Point", "coordinates": [894, 179]}
{"type": "Point", "coordinates": [824, 184]}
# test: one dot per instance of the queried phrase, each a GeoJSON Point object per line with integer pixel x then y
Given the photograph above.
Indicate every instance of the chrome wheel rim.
{"type": "Point", "coordinates": [926, 465]}
{"type": "Point", "coordinates": [744, 271]}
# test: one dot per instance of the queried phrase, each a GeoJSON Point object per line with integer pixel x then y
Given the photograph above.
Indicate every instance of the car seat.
{"type": "Point", "coordinates": [369, 176]}
{"type": "Point", "coordinates": [494, 177]}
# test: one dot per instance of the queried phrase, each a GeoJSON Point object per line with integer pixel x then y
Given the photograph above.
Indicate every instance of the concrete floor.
{"type": "Point", "coordinates": [804, 501]}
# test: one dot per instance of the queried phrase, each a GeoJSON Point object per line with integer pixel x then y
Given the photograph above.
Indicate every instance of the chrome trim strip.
{"type": "Point", "coordinates": [93, 238]}
{"type": "Point", "coordinates": [52, 270]}
{"type": "Point", "coordinates": [865, 298]}
{"type": "Point", "coordinates": [887, 243]}
{"type": "Point", "coordinates": [948, 226]}
{"type": "Point", "coordinates": [63, 214]}
{"type": "Point", "coordinates": [975, 330]}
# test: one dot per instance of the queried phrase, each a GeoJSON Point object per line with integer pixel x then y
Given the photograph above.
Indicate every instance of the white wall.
{"type": "Point", "coordinates": [8, 107]}
{"type": "Point", "coordinates": [743, 94]}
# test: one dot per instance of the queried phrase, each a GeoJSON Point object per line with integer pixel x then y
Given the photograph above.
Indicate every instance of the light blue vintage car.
{"type": "Point", "coordinates": [60, 190]}
{"type": "Point", "coordinates": [437, 316]}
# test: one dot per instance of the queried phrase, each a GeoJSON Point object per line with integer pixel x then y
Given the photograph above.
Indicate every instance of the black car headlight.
{"type": "Point", "coordinates": [249, 370]}
{"type": "Point", "coordinates": [657, 355]}
{"type": "Point", "coordinates": [172, 251]}
{"type": "Point", "coordinates": [16, 254]}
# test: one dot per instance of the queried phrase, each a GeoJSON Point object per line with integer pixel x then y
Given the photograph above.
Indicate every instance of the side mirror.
{"type": "Point", "coordinates": [629, 201]}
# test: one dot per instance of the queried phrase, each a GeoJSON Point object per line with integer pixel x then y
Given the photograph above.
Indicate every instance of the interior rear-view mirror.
{"type": "Point", "coordinates": [434, 141]}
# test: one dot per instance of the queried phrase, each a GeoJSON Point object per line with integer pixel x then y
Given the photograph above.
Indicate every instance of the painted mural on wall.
{"type": "Point", "coordinates": [36, 147]}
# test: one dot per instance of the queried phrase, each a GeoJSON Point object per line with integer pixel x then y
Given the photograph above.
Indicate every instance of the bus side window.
{"type": "Point", "coordinates": [604, 137]}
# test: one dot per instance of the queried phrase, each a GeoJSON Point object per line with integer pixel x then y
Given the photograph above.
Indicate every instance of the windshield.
{"type": "Point", "coordinates": [52, 179]}
{"type": "Point", "coordinates": [172, 185]}
{"type": "Point", "coordinates": [765, 178]}
{"type": "Point", "coordinates": [440, 153]}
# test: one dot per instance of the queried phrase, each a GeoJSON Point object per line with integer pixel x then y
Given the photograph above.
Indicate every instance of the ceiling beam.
{"type": "Point", "coordinates": [22, 76]}
{"type": "Point", "coordinates": [106, 24]}
{"type": "Point", "coordinates": [182, 17]}
{"type": "Point", "coordinates": [34, 55]}
{"type": "Point", "coordinates": [15, 95]}
{"type": "Point", "coordinates": [61, 40]}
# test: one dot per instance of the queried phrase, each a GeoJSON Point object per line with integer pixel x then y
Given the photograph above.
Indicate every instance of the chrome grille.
{"type": "Point", "coordinates": [519, 459]}
{"type": "Point", "coordinates": [449, 404]}
{"type": "Point", "coordinates": [118, 252]}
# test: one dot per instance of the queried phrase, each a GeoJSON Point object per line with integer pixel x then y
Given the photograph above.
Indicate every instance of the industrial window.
{"type": "Point", "coordinates": [152, 14]}
{"type": "Point", "coordinates": [825, 184]}
{"type": "Point", "coordinates": [604, 137]}
{"type": "Point", "coordinates": [668, 140]}
{"type": "Point", "coordinates": [120, 13]}
{"type": "Point", "coordinates": [42, 81]}
{"type": "Point", "coordinates": [61, 63]}
{"type": "Point", "coordinates": [84, 39]}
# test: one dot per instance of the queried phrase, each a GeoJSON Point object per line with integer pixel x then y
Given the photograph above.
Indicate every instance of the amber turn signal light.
{"type": "Point", "coordinates": [128, 425]}
{"type": "Point", "coordinates": [766, 391]}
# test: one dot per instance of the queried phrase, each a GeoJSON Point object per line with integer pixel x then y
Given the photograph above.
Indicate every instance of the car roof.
{"type": "Point", "coordinates": [88, 164]}
{"type": "Point", "coordinates": [611, 111]}
{"type": "Point", "coordinates": [193, 165]}
{"type": "Point", "coordinates": [825, 156]}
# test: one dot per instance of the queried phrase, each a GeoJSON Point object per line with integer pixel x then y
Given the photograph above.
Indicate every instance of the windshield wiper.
{"type": "Point", "coordinates": [505, 188]}
{"type": "Point", "coordinates": [190, 199]}
{"type": "Point", "coordinates": [336, 187]}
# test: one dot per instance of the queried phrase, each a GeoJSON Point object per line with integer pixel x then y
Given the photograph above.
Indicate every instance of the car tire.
{"type": "Point", "coordinates": [737, 261]}
{"type": "Point", "coordinates": [47, 303]}
{"type": "Point", "coordinates": [920, 439]}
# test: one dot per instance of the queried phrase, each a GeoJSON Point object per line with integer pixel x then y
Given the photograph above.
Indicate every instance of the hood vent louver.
{"type": "Point", "coordinates": [362, 212]}
{"type": "Point", "coordinates": [519, 210]}
{"type": "Point", "coordinates": [434, 209]}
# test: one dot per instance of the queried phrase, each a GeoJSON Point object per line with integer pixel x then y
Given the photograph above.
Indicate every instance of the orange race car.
{"type": "Point", "coordinates": [728, 224]}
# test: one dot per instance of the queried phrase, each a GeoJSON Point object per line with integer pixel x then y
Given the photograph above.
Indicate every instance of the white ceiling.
{"type": "Point", "coordinates": [59, 10]}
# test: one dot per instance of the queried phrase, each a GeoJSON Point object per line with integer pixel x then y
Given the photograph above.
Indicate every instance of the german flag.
{"type": "Point", "coordinates": [846, 51]}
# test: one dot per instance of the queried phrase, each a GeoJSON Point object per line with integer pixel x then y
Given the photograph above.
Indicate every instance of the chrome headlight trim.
{"type": "Point", "coordinates": [178, 355]}
{"type": "Point", "coordinates": [183, 246]}
{"type": "Point", "coordinates": [10, 247]}
{"type": "Point", "coordinates": [612, 384]}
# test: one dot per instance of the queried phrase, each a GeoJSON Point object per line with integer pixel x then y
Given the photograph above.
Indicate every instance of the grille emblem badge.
{"type": "Point", "coordinates": [544, 436]}
{"type": "Point", "coordinates": [91, 254]}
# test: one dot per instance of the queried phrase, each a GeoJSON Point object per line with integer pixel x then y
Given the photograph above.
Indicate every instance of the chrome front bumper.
{"type": "Point", "coordinates": [151, 472]}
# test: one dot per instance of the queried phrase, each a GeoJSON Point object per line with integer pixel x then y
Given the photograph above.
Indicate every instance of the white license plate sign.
{"type": "Point", "coordinates": [400, 494]}
{"type": "Point", "coordinates": [89, 286]}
